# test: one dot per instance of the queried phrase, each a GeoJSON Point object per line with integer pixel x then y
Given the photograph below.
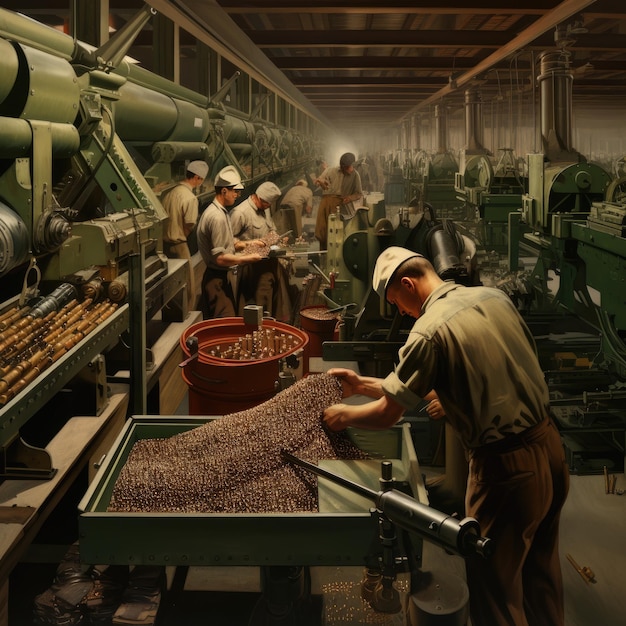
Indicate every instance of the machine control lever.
{"type": "Point", "coordinates": [459, 536]}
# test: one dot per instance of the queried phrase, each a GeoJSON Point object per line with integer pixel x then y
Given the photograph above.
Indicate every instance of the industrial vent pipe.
{"type": "Point", "coordinates": [441, 128]}
{"type": "Point", "coordinates": [473, 123]}
{"type": "Point", "coordinates": [555, 85]}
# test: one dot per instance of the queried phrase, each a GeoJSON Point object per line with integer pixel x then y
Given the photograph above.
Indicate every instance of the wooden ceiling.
{"type": "Point", "coordinates": [361, 62]}
{"type": "Point", "coordinates": [371, 62]}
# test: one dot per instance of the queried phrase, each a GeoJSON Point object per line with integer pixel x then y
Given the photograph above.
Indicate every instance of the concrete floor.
{"type": "Point", "coordinates": [593, 532]}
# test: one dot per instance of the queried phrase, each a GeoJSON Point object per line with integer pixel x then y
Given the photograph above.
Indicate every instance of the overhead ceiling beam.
{"type": "Point", "coordinates": [412, 7]}
{"type": "Point", "coordinates": [361, 81]}
{"type": "Point", "coordinates": [434, 64]}
{"type": "Point", "coordinates": [428, 39]}
{"type": "Point", "coordinates": [551, 20]}
{"type": "Point", "coordinates": [605, 9]}
{"type": "Point", "coordinates": [376, 38]}
{"type": "Point", "coordinates": [369, 62]}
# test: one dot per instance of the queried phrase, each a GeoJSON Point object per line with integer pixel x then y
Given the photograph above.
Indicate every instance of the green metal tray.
{"type": "Point", "coordinates": [339, 534]}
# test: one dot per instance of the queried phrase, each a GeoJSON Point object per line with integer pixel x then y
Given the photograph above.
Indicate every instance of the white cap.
{"type": "Point", "coordinates": [386, 266]}
{"type": "Point", "coordinates": [228, 177]}
{"type": "Point", "coordinates": [200, 168]}
{"type": "Point", "coordinates": [269, 192]}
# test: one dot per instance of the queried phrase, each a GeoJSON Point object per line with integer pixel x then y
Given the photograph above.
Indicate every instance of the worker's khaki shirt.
{"type": "Point", "coordinates": [250, 223]}
{"type": "Point", "coordinates": [472, 347]}
{"type": "Point", "coordinates": [181, 205]}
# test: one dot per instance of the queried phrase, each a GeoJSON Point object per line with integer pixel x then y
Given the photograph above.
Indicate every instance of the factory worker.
{"type": "Point", "coordinates": [251, 219]}
{"type": "Point", "coordinates": [471, 346]}
{"type": "Point", "coordinates": [181, 205]}
{"type": "Point", "coordinates": [297, 203]}
{"type": "Point", "coordinates": [341, 187]}
{"type": "Point", "coordinates": [267, 283]}
{"type": "Point", "coordinates": [216, 244]}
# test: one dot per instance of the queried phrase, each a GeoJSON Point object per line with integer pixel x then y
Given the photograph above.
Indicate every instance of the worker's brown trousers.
{"type": "Point", "coordinates": [516, 490]}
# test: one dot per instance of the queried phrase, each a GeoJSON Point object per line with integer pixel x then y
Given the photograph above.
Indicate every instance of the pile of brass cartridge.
{"type": "Point", "coordinates": [32, 338]}
{"type": "Point", "coordinates": [233, 464]}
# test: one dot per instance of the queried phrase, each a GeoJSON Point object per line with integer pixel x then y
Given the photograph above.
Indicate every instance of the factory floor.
{"type": "Point", "coordinates": [592, 533]}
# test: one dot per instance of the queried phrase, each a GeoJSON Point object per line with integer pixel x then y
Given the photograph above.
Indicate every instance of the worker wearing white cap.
{"type": "Point", "coordinates": [265, 283]}
{"type": "Point", "coordinates": [216, 244]}
{"type": "Point", "coordinates": [471, 346]}
{"type": "Point", "coordinates": [252, 219]}
{"type": "Point", "coordinates": [228, 178]}
{"type": "Point", "coordinates": [181, 205]}
{"type": "Point", "coordinates": [295, 204]}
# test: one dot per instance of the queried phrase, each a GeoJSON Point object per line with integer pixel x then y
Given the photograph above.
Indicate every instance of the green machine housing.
{"type": "Point", "coordinates": [341, 533]}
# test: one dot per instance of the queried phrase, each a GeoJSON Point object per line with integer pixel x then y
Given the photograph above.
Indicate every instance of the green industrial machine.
{"type": "Point", "coordinates": [569, 237]}
{"type": "Point", "coordinates": [432, 176]}
{"type": "Point", "coordinates": [488, 190]}
{"type": "Point", "coordinates": [370, 331]}
{"type": "Point", "coordinates": [88, 143]}
{"type": "Point", "coordinates": [372, 513]}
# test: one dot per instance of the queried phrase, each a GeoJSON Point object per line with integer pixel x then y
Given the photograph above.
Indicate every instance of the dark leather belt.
{"type": "Point", "coordinates": [515, 441]}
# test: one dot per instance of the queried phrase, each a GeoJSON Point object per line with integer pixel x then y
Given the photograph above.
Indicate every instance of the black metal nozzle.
{"type": "Point", "coordinates": [462, 537]}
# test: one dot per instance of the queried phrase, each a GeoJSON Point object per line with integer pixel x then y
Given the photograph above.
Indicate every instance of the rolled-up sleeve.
{"type": "Point", "coordinates": [414, 376]}
{"type": "Point", "coordinates": [221, 235]}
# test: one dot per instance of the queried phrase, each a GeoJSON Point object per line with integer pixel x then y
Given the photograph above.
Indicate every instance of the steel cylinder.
{"type": "Point", "coordinates": [8, 69]}
{"type": "Point", "coordinates": [46, 88]}
{"type": "Point", "coordinates": [145, 115]}
{"type": "Point", "coordinates": [14, 240]}
{"type": "Point", "coordinates": [26, 30]}
{"type": "Point", "coordinates": [238, 132]}
{"type": "Point", "coordinates": [16, 138]}
{"type": "Point", "coordinates": [555, 85]}
{"type": "Point", "coordinates": [441, 128]}
{"type": "Point", "coordinates": [171, 151]}
{"type": "Point", "coordinates": [473, 122]}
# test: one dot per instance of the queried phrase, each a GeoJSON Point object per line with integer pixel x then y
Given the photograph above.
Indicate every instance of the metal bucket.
{"type": "Point", "coordinates": [219, 384]}
{"type": "Point", "coordinates": [319, 326]}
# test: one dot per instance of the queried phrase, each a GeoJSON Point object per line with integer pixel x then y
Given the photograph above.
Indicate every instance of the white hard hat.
{"type": "Point", "coordinates": [228, 177]}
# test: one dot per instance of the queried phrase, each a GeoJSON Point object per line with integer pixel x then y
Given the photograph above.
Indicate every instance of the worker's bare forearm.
{"type": "Point", "coordinates": [379, 414]}
{"type": "Point", "coordinates": [370, 386]}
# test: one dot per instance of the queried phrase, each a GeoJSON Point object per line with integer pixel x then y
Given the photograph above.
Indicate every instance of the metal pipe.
{"type": "Point", "coordinates": [555, 89]}
{"type": "Point", "coordinates": [550, 20]}
{"type": "Point", "coordinates": [473, 123]}
{"type": "Point", "coordinates": [460, 536]}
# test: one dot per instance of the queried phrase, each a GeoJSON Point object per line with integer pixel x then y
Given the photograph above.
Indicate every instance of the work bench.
{"type": "Point", "coordinates": [26, 504]}
{"type": "Point", "coordinates": [80, 445]}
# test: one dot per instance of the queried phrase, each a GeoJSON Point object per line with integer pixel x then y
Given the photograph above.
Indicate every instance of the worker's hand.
{"type": "Point", "coordinates": [346, 200]}
{"type": "Point", "coordinates": [320, 182]}
{"type": "Point", "coordinates": [435, 410]}
{"type": "Point", "coordinates": [349, 380]}
{"type": "Point", "coordinates": [334, 417]}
